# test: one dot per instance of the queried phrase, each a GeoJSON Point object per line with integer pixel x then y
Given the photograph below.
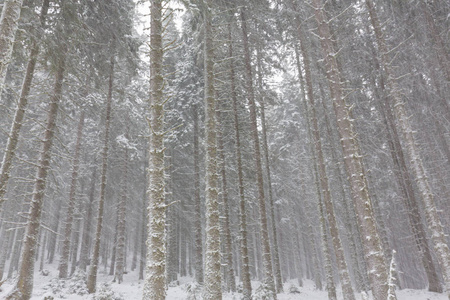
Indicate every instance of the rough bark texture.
{"type": "Point", "coordinates": [394, 96]}
{"type": "Point", "coordinates": [155, 279]}
{"type": "Point", "coordinates": [349, 214]}
{"type": "Point", "coordinates": [24, 285]}
{"type": "Point", "coordinates": [64, 260]}
{"type": "Point", "coordinates": [85, 240]}
{"type": "Point", "coordinates": [197, 204]}
{"type": "Point", "coordinates": [121, 228]}
{"type": "Point", "coordinates": [403, 177]}
{"type": "Point", "coordinates": [13, 137]}
{"type": "Point", "coordinates": [265, 242]}
{"type": "Point", "coordinates": [230, 280]}
{"type": "Point", "coordinates": [316, 271]}
{"type": "Point", "coordinates": [344, 276]}
{"type": "Point", "coordinates": [8, 26]}
{"type": "Point", "coordinates": [353, 162]}
{"type": "Point", "coordinates": [245, 265]}
{"type": "Point", "coordinates": [273, 228]}
{"type": "Point", "coordinates": [331, 287]}
{"type": "Point", "coordinates": [92, 277]}
{"type": "Point", "coordinates": [213, 285]}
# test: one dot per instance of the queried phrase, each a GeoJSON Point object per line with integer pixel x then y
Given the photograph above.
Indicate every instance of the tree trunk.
{"type": "Point", "coordinates": [231, 283]}
{"type": "Point", "coordinates": [121, 228]}
{"type": "Point", "coordinates": [274, 231]}
{"type": "Point", "coordinates": [9, 23]}
{"type": "Point", "coordinates": [24, 285]}
{"type": "Point", "coordinates": [144, 231]}
{"type": "Point", "coordinates": [155, 281]}
{"type": "Point", "coordinates": [197, 204]}
{"type": "Point", "coordinates": [76, 241]}
{"type": "Point", "coordinates": [394, 97]}
{"type": "Point", "coordinates": [92, 277]}
{"type": "Point", "coordinates": [13, 137]}
{"type": "Point", "coordinates": [265, 242]}
{"type": "Point", "coordinates": [353, 162]}
{"type": "Point", "coordinates": [344, 276]}
{"type": "Point", "coordinates": [213, 285]}
{"type": "Point", "coordinates": [64, 260]}
{"type": "Point", "coordinates": [44, 243]}
{"type": "Point", "coordinates": [53, 243]}
{"type": "Point", "coordinates": [245, 265]}
{"type": "Point", "coordinates": [86, 239]}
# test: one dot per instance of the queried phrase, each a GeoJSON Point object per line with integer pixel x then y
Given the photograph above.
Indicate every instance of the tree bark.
{"type": "Point", "coordinates": [344, 276]}
{"type": "Point", "coordinates": [155, 279]}
{"type": "Point", "coordinates": [197, 203]}
{"type": "Point", "coordinates": [86, 238]}
{"type": "Point", "coordinates": [353, 162]}
{"type": "Point", "coordinates": [213, 281]}
{"type": "Point", "coordinates": [24, 285]}
{"type": "Point", "coordinates": [265, 242]}
{"type": "Point", "coordinates": [393, 94]}
{"type": "Point", "coordinates": [64, 260]}
{"type": "Point", "coordinates": [9, 22]}
{"type": "Point", "coordinates": [13, 137]}
{"type": "Point", "coordinates": [274, 231]}
{"type": "Point", "coordinates": [245, 265]}
{"type": "Point", "coordinates": [231, 282]}
{"type": "Point", "coordinates": [92, 277]}
{"type": "Point", "coordinates": [121, 228]}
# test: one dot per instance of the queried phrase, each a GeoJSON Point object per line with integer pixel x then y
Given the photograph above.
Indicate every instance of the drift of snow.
{"type": "Point", "coordinates": [131, 289]}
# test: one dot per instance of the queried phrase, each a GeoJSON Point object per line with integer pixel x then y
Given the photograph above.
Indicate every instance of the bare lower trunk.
{"type": "Point", "coordinates": [13, 137]}
{"type": "Point", "coordinates": [273, 229]}
{"type": "Point", "coordinates": [245, 265]}
{"type": "Point", "coordinates": [394, 96]}
{"type": "Point", "coordinates": [121, 228]}
{"type": "Point", "coordinates": [85, 240]}
{"type": "Point", "coordinates": [24, 286]}
{"type": "Point", "coordinates": [9, 22]}
{"type": "Point", "coordinates": [64, 261]}
{"type": "Point", "coordinates": [353, 162]}
{"type": "Point", "coordinates": [265, 242]}
{"type": "Point", "coordinates": [344, 276]}
{"type": "Point", "coordinates": [231, 283]}
{"type": "Point", "coordinates": [155, 279]}
{"type": "Point", "coordinates": [92, 277]}
{"type": "Point", "coordinates": [213, 281]}
{"type": "Point", "coordinates": [197, 204]}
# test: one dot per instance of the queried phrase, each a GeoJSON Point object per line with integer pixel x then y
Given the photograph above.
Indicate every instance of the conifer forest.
{"type": "Point", "coordinates": [225, 149]}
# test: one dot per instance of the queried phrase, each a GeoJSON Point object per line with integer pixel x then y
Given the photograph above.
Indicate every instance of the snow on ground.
{"type": "Point", "coordinates": [131, 289]}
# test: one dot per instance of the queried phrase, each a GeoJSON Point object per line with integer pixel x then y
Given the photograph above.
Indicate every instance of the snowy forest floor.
{"type": "Point", "coordinates": [131, 289]}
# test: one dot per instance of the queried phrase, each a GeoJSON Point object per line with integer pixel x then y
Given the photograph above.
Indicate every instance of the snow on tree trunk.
{"type": "Point", "coordinates": [92, 277]}
{"type": "Point", "coordinates": [197, 203]}
{"type": "Point", "coordinates": [121, 228]}
{"type": "Point", "coordinates": [274, 231]}
{"type": "Point", "coordinates": [13, 137]}
{"type": "Point", "coordinates": [231, 282]}
{"type": "Point", "coordinates": [8, 26]}
{"type": "Point", "coordinates": [64, 260]}
{"type": "Point", "coordinates": [344, 276]}
{"type": "Point", "coordinates": [404, 182]}
{"type": "Point", "coordinates": [213, 285]}
{"type": "Point", "coordinates": [245, 265]}
{"type": "Point", "coordinates": [85, 240]}
{"type": "Point", "coordinates": [393, 93]}
{"type": "Point", "coordinates": [353, 162]}
{"type": "Point", "coordinates": [24, 285]}
{"type": "Point", "coordinates": [265, 242]}
{"type": "Point", "coordinates": [391, 279]}
{"type": "Point", "coordinates": [155, 277]}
